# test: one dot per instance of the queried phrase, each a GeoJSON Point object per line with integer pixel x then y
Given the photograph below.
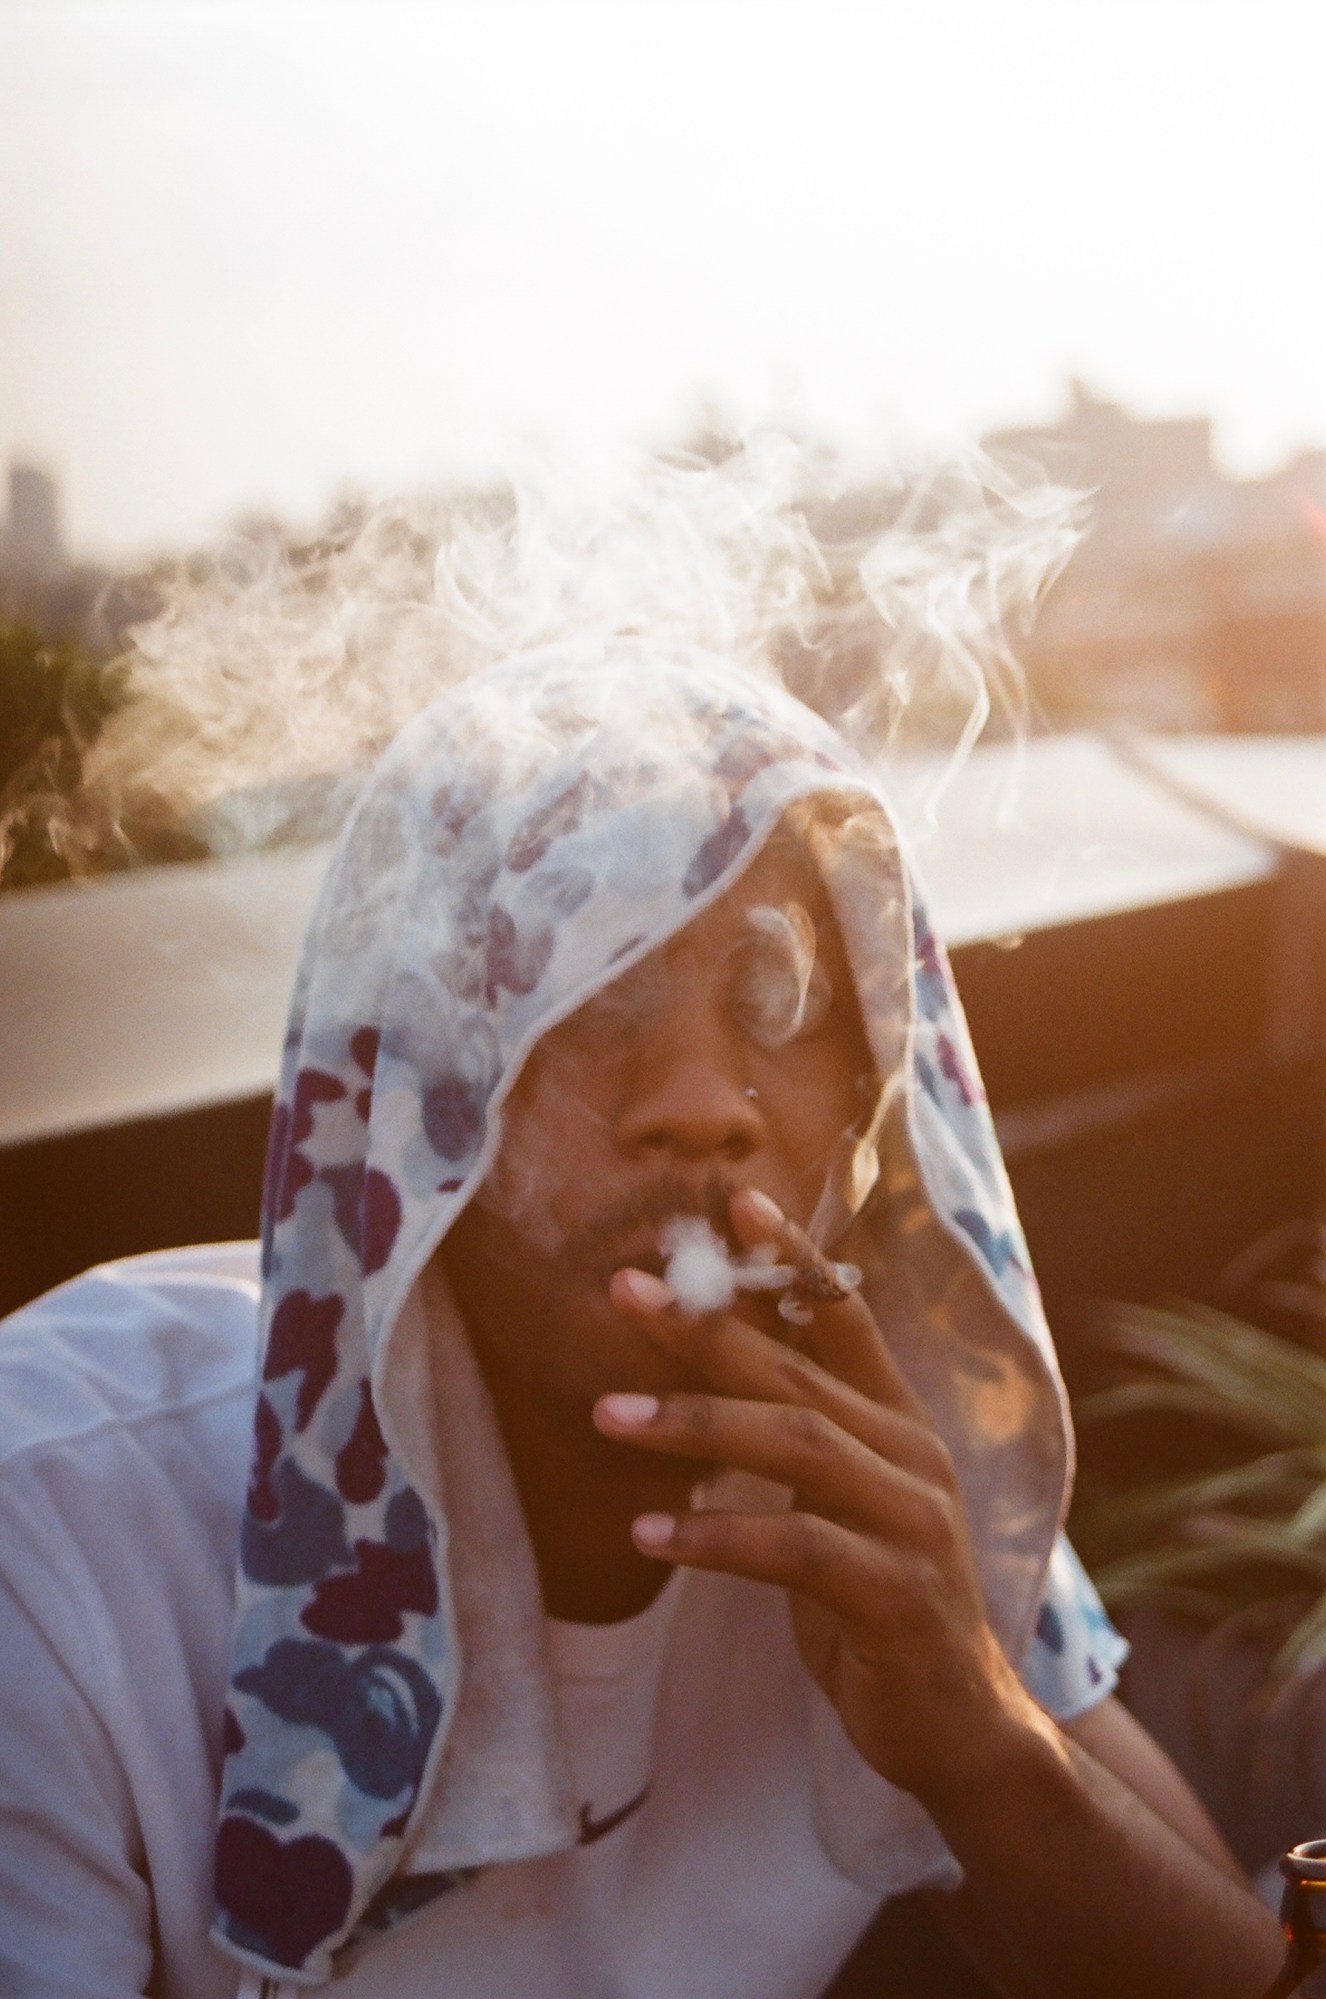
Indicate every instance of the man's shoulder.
{"type": "Point", "coordinates": [170, 1336]}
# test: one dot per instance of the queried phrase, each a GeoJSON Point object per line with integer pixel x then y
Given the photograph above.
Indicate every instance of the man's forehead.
{"type": "Point", "coordinates": [782, 876]}
{"type": "Point", "coordinates": [776, 918]}
{"type": "Point", "coordinates": [784, 871]}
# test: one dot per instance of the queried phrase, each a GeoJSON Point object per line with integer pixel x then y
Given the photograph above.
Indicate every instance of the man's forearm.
{"type": "Point", "coordinates": [1076, 1888]}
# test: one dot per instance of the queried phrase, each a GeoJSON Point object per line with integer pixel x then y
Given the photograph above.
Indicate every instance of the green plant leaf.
{"type": "Point", "coordinates": [1246, 1533]}
{"type": "Point", "coordinates": [1260, 1378]}
{"type": "Point", "coordinates": [1287, 1480]}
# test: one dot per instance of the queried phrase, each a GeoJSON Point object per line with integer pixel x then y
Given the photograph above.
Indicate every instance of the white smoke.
{"type": "Point", "coordinates": [273, 678]}
{"type": "Point", "coordinates": [962, 572]}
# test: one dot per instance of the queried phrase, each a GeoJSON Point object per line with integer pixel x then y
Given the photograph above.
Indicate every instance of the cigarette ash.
{"type": "Point", "coordinates": [704, 1276]}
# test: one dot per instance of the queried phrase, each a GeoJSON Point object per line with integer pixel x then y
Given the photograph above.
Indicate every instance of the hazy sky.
{"type": "Point", "coordinates": [253, 253]}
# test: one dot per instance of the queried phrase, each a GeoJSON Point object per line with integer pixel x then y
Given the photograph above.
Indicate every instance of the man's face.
{"type": "Point", "coordinates": [733, 1056]}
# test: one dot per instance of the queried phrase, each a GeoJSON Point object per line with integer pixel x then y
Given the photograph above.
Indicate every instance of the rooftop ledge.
{"type": "Point", "coordinates": [137, 995]}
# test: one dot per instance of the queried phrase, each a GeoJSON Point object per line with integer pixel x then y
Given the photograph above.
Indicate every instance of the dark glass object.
{"type": "Point", "coordinates": [1303, 1915]}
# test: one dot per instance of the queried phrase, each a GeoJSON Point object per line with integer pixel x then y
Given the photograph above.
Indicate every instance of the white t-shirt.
{"type": "Point", "coordinates": [125, 1433]}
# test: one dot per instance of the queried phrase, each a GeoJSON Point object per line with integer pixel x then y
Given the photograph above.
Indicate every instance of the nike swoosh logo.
{"type": "Point", "coordinates": [592, 1828]}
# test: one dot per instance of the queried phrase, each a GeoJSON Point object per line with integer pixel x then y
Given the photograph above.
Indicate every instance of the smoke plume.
{"type": "Point", "coordinates": [273, 676]}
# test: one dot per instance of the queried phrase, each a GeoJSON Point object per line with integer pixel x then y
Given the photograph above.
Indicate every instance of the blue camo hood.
{"type": "Point", "coordinates": [532, 834]}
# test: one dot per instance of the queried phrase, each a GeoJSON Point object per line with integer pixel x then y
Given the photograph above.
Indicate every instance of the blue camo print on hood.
{"type": "Point", "coordinates": [536, 831]}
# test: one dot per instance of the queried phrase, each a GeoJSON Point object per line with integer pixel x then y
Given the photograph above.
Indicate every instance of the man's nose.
{"type": "Point", "coordinates": [692, 1099]}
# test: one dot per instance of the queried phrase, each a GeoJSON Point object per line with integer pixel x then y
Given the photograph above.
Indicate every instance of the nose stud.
{"type": "Point", "coordinates": [752, 1093]}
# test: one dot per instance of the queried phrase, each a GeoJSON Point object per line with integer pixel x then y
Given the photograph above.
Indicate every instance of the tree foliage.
{"type": "Point", "coordinates": [54, 700]}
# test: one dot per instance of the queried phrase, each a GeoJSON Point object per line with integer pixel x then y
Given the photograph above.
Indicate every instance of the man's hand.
{"type": "Point", "coordinates": [874, 1550]}
{"type": "Point", "coordinates": [1090, 1868]}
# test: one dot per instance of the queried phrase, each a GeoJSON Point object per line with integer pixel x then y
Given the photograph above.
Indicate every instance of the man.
{"type": "Point", "coordinates": [585, 1643]}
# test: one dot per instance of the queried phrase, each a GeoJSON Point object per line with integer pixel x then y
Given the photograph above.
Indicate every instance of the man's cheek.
{"type": "Point", "coordinates": [525, 1196]}
{"type": "Point", "coordinates": [552, 1156]}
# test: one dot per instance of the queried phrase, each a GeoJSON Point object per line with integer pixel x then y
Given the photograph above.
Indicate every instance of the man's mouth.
{"type": "Point", "coordinates": [633, 1240]}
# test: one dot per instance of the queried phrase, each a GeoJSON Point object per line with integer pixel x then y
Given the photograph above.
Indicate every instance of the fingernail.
{"type": "Point", "coordinates": [643, 1288]}
{"type": "Point", "coordinates": [653, 1530]}
{"type": "Point", "coordinates": [628, 1412]}
{"type": "Point", "coordinates": [763, 1208]}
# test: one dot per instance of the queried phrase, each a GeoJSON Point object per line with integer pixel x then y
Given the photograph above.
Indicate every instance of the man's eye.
{"type": "Point", "coordinates": [780, 991]}
{"type": "Point", "coordinates": [772, 1005]}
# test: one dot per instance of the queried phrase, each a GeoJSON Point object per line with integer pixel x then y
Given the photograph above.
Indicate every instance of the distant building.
{"type": "Point", "coordinates": [31, 545]}
{"type": "Point", "coordinates": [39, 585]}
{"type": "Point", "coordinates": [1136, 464]}
{"type": "Point", "coordinates": [1196, 601]}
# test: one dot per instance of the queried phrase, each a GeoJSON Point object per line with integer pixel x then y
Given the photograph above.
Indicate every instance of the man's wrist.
{"type": "Point", "coordinates": [1009, 1746]}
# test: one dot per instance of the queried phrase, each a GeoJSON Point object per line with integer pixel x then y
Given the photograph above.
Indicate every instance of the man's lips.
{"type": "Point", "coordinates": [641, 1250]}
{"type": "Point", "coordinates": [643, 1254]}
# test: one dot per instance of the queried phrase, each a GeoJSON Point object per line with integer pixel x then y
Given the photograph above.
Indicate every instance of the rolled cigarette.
{"type": "Point", "coordinates": [705, 1277]}
{"type": "Point", "coordinates": [826, 1283]}
{"type": "Point", "coordinates": [819, 1283]}
{"type": "Point", "coordinates": [764, 1276]}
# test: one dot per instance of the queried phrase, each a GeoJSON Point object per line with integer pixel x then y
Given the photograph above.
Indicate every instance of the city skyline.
{"type": "Point", "coordinates": [259, 255]}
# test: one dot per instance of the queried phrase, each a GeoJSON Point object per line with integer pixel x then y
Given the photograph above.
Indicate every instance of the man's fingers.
{"type": "Point", "coordinates": [818, 1559]}
{"type": "Point", "coordinates": [793, 1445]}
{"type": "Point", "coordinates": [740, 1361]}
{"type": "Point", "coordinates": [842, 1335]}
